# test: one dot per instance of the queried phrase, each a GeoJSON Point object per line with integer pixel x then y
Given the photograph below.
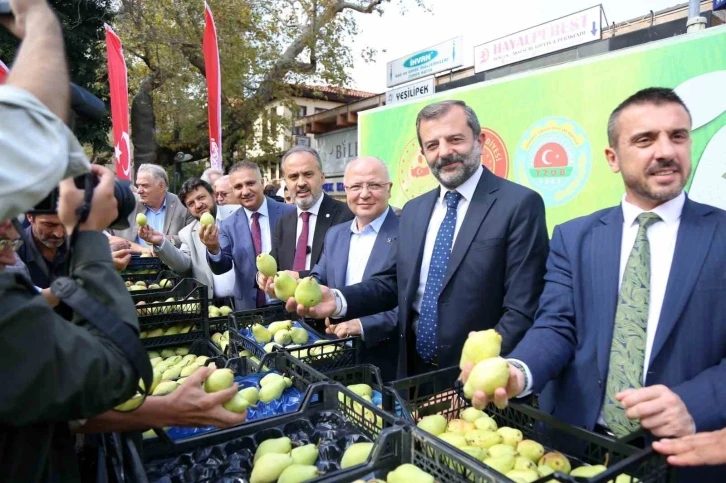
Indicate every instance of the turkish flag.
{"type": "Point", "coordinates": [214, 88]}
{"type": "Point", "coordinates": [118, 83]}
{"type": "Point", "coordinates": [4, 71]}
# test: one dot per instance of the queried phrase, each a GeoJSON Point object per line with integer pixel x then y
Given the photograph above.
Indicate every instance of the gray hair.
{"type": "Point", "coordinates": [440, 109]}
{"type": "Point", "coordinates": [156, 172]}
{"type": "Point", "coordinates": [225, 177]}
{"type": "Point", "coordinates": [368, 158]}
{"type": "Point", "coordinates": [246, 164]}
{"type": "Point", "coordinates": [302, 149]}
{"type": "Point", "coordinates": [208, 171]}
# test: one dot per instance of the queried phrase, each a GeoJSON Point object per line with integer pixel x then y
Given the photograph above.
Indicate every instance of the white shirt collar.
{"type": "Point", "coordinates": [262, 210]}
{"type": "Point", "coordinates": [313, 209]}
{"type": "Point", "coordinates": [466, 189]}
{"type": "Point", "coordinates": [375, 224]}
{"type": "Point", "coordinates": [669, 212]}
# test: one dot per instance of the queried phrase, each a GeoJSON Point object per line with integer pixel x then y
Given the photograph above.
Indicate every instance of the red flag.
{"type": "Point", "coordinates": [214, 88]}
{"type": "Point", "coordinates": [4, 71]}
{"type": "Point", "coordinates": [118, 82]}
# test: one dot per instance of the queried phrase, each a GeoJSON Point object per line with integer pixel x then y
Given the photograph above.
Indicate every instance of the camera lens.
{"type": "Point", "coordinates": [126, 203]}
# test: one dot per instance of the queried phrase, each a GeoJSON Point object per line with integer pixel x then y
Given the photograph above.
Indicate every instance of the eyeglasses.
{"type": "Point", "coordinates": [14, 244]}
{"type": "Point", "coordinates": [372, 187]}
{"type": "Point", "coordinates": [221, 194]}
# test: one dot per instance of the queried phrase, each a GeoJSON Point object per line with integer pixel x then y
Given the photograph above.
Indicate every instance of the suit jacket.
{"type": "Point", "coordinates": [235, 241]}
{"type": "Point", "coordinates": [177, 217]}
{"type": "Point", "coordinates": [192, 255]}
{"type": "Point", "coordinates": [379, 330]}
{"type": "Point", "coordinates": [493, 279]}
{"type": "Point", "coordinates": [332, 212]}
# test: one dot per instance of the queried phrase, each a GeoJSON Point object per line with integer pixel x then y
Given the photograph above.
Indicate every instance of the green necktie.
{"type": "Point", "coordinates": [627, 351]}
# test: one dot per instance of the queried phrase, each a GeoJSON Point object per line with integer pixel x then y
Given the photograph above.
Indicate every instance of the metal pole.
{"type": "Point", "coordinates": [695, 21]}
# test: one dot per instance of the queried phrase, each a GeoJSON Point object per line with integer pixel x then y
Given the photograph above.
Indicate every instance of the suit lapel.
{"type": "Point", "coordinates": [326, 213]}
{"type": "Point", "coordinates": [340, 256]}
{"type": "Point", "coordinates": [243, 226]}
{"type": "Point", "coordinates": [605, 260]}
{"type": "Point", "coordinates": [479, 206]}
{"type": "Point", "coordinates": [384, 241]}
{"type": "Point", "coordinates": [694, 239]}
{"type": "Point", "coordinates": [170, 206]}
{"type": "Point", "coordinates": [418, 238]}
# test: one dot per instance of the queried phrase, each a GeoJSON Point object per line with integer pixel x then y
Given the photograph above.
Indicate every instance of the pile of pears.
{"type": "Point", "coordinates": [171, 367]}
{"type": "Point", "coordinates": [221, 340]}
{"type": "Point", "coordinates": [276, 460]}
{"type": "Point", "coordinates": [365, 392]}
{"type": "Point", "coordinates": [174, 329]}
{"type": "Point", "coordinates": [222, 311]}
{"type": "Point", "coordinates": [490, 371]}
{"type": "Point", "coordinates": [405, 473]}
{"type": "Point", "coordinates": [305, 291]}
{"type": "Point", "coordinates": [141, 285]}
{"type": "Point", "coordinates": [185, 308]}
{"type": "Point", "coordinates": [283, 334]}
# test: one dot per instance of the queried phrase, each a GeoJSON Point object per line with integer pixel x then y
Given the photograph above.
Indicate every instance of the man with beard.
{"type": "Point", "coordinates": [198, 197]}
{"type": "Point", "coordinates": [630, 330]}
{"type": "Point", "coordinates": [470, 254]}
{"type": "Point", "coordinates": [48, 234]}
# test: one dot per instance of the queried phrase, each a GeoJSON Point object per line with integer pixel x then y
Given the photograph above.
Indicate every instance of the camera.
{"type": "Point", "coordinates": [125, 200]}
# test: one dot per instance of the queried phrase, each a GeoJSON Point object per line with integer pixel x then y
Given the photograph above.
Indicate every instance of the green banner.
{"type": "Point", "coordinates": [546, 129]}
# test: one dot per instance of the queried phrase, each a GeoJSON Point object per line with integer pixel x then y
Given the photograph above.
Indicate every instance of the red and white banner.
{"type": "Point", "coordinates": [118, 82]}
{"type": "Point", "coordinates": [4, 71]}
{"type": "Point", "coordinates": [214, 88]}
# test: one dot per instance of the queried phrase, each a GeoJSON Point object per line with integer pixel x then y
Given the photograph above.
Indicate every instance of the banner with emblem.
{"type": "Point", "coordinates": [214, 88]}
{"type": "Point", "coordinates": [547, 129]}
{"type": "Point", "coordinates": [119, 91]}
{"type": "Point", "coordinates": [4, 71]}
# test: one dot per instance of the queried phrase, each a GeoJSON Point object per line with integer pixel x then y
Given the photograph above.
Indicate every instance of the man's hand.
{"type": "Point", "coordinates": [195, 407]}
{"type": "Point", "coordinates": [121, 259]}
{"type": "Point", "coordinates": [209, 234]}
{"type": "Point", "coordinates": [344, 329]}
{"type": "Point", "coordinates": [104, 208]}
{"type": "Point", "coordinates": [151, 236]}
{"type": "Point", "coordinates": [267, 284]}
{"type": "Point", "coordinates": [22, 9]}
{"type": "Point", "coordinates": [660, 411]}
{"type": "Point", "coordinates": [695, 450]}
{"type": "Point", "coordinates": [324, 309]}
{"type": "Point", "coordinates": [117, 243]}
{"type": "Point", "coordinates": [52, 300]}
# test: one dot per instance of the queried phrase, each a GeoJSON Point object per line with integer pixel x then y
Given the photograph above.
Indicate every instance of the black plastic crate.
{"type": "Point", "coordinates": [164, 275]}
{"type": "Point", "coordinates": [198, 346]}
{"type": "Point", "coordinates": [142, 268]}
{"type": "Point", "coordinates": [440, 392]}
{"type": "Point", "coordinates": [219, 324]}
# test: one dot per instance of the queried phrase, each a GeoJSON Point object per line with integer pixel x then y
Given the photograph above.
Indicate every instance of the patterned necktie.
{"type": "Point", "coordinates": [427, 332]}
{"type": "Point", "coordinates": [301, 251]}
{"type": "Point", "coordinates": [627, 351]}
{"type": "Point", "coordinates": [257, 242]}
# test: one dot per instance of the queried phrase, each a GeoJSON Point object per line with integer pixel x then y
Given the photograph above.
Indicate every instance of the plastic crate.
{"type": "Point", "coordinates": [219, 324]}
{"type": "Point", "coordinates": [439, 393]}
{"type": "Point", "coordinates": [142, 268]}
{"type": "Point", "coordinates": [199, 347]}
{"type": "Point", "coordinates": [153, 279]}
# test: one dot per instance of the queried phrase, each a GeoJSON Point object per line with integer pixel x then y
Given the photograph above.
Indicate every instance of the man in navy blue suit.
{"type": "Point", "coordinates": [470, 254]}
{"type": "Point", "coordinates": [355, 251]}
{"type": "Point", "coordinates": [244, 235]}
{"type": "Point", "coordinates": [630, 330]}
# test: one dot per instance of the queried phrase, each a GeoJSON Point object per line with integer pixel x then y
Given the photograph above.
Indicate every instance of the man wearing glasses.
{"type": "Point", "coordinates": [223, 193]}
{"type": "Point", "coordinates": [355, 251]}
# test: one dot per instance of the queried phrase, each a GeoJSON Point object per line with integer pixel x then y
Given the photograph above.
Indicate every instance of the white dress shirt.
{"type": "Point", "coordinates": [311, 228]}
{"type": "Point", "coordinates": [361, 246]}
{"type": "Point", "coordinates": [662, 237]}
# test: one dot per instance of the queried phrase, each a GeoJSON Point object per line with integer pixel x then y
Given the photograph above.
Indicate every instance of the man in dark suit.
{"type": "Point", "coordinates": [300, 234]}
{"type": "Point", "coordinates": [630, 329]}
{"type": "Point", "coordinates": [470, 254]}
{"type": "Point", "coordinates": [244, 235]}
{"type": "Point", "coordinates": [355, 251]}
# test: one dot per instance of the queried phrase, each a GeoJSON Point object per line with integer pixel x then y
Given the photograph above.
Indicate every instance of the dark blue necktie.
{"type": "Point", "coordinates": [427, 332]}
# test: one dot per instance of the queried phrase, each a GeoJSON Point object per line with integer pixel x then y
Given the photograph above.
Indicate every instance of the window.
{"type": "Point", "coordinates": [298, 130]}
{"type": "Point", "coordinates": [302, 111]}
{"type": "Point", "coordinates": [320, 109]}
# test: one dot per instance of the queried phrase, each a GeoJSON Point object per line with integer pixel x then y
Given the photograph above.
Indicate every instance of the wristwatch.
{"type": "Point", "coordinates": [338, 304]}
{"type": "Point", "coordinates": [521, 368]}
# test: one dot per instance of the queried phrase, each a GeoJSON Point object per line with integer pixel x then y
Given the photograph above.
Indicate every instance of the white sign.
{"type": "Point", "coordinates": [576, 29]}
{"type": "Point", "coordinates": [337, 149]}
{"type": "Point", "coordinates": [412, 91]}
{"type": "Point", "coordinates": [441, 57]}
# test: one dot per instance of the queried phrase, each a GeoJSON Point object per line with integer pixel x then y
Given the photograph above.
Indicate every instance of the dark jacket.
{"type": "Point", "coordinates": [57, 371]}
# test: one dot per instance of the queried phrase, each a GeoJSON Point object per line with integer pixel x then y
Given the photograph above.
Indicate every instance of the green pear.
{"type": "Point", "coordinates": [141, 219]}
{"type": "Point", "coordinates": [275, 445]}
{"type": "Point", "coordinates": [266, 264]}
{"type": "Point", "coordinates": [173, 330]}
{"type": "Point", "coordinates": [477, 452]}
{"type": "Point", "coordinates": [251, 394]}
{"type": "Point", "coordinates": [154, 286]}
{"type": "Point", "coordinates": [556, 461]}
{"type": "Point", "coordinates": [187, 357]}
{"type": "Point", "coordinates": [408, 473]}
{"type": "Point", "coordinates": [283, 337]}
{"type": "Point", "coordinates": [522, 463]}
{"type": "Point", "coordinates": [171, 373]}
{"type": "Point", "coordinates": [153, 354]}
{"type": "Point", "coordinates": [155, 333]}
{"type": "Point", "coordinates": [165, 387]}
{"type": "Point", "coordinates": [143, 335]}
{"type": "Point", "coordinates": [131, 404]}
{"type": "Point", "coordinates": [181, 380]}
{"type": "Point", "coordinates": [238, 404]}
{"type": "Point", "coordinates": [213, 311]}
{"type": "Point", "coordinates": [454, 439]}
{"type": "Point", "coordinates": [206, 219]}
{"type": "Point", "coordinates": [522, 476]}
{"type": "Point", "coordinates": [185, 329]}
{"type": "Point", "coordinates": [261, 334]}
{"type": "Point", "coordinates": [296, 473]}
{"type": "Point", "coordinates": [305, 455]}
{"type": "Point", "coordinates": [459, 426]}
{"type": "Point", "coordinates": [270, 378]}
{"type": "Point", "coordinates": [501, 449]}
{"type": "Point", "coordinates": [148, 434]}
{"type": "Point", "coordinates": [487, 376]}
{"type": "Point", "coordinates": [471, 414]}
{"type": "Point", "coordinates": [219, 380]}
{"type": "Point", "coordinates": [275, 327]}
{"type": "Point", "coordinates": [174, 359]}
{"type": "Point", "coordinates": [502, 464]}
{"type": "Point", "coordinates": [216, 337]}
{"type": "Point", "coordinates": [531, 450]}
{"type": "Point", "coordinates": [486, 423]}
{"type": "Point", "coordinates": [434, 424]}
{"type": "Point", "coordinates": [624, 479]}
{"type": "Point", "coordinates": [545, 471]}
{"type": "Point", "coordinates": [269, 467]}
{"type": "Point", "coordinates": [299, 335]}
{"type": "Point", "coordinates": [155, 361]}
{"type": "Point", "coordinates": [481, 438]}
{"type": "Point", "coordinates": [285, 286]}
{"type": "Point", "coordinates": [588, 471]}
{"type": "Point", "coordinates": [272, 391]}
{"type": "Point", "coordinates": [140, 283]}
{"type": "Point", "coordinates": [270, 346]}
{"type": "Point", "coordinates": [168, 353]}
{"type": "Point", "coordinates": [361, 389]}
{"type": "Point", "coordinates": [308, 292]}
{"type": "Point", "coordinates": [356, 454]}
{"type": "Point", "coordinates": [201, 360]}
{"type": "Point", "coordinates": [165, 283]}
{"type": "Point", "coordinates": [225, 310]}
{"type": "Point", "coordinates": [189, 370]}
{"type": "Point", "coordinates": [510, 436]}
{"type": "Point", "coordinates": [481, 345]}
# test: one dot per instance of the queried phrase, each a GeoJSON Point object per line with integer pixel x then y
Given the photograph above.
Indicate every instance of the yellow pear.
{"type": "Point", "coordinates": [269, 467]}
{"type": "Point", "coordinates": [285, 286]}
{"type": "Point", "coordinates": [219, 380]}
{"type": "Point", "coordinates": [206, 219]}
{"type": "Point", "coordinates": [487, 376]}
{"type": "Point", "coordinates": [531, 450]}
{"type": "Point", "coordinates": [588, 471]}
{"type": "Point", "coordinates": [434, 424]}
{"type": "Point", "coordinates": [308, 292]}
{"type": "Point", "coordinates": [355, 454]}
{"type": "Point", "coordinates": [274, 445]}
{"type": "Point", "coordinates": [471, 414]}
{"type": "Point", "coordinates": [481, 345]}
{"type": "Point", "coordinates": [454, 439]}
{"type": "Point", "coordinates": [261, 334]}
{"type": "Point", "coordinates": [486, 423]}
{"type": "Point", "coordinates": [481, 438]}
{"type": "Point", "coordinates": [298, 473]}
{"type": "Point", "coordinates": [522, 476]}
{"type": "Point", "coordinates": [408, 473]}
{"type": "Point", "coordinates": [510, 436]}
{"type": "Point", "coordinates": [556, 461]}
{"type": "Point", "coordinates": [266, 264]}
{"type": "Point", "coordinates": [459, 426]}
{"type": "Point", "coordinates": [141, 219]}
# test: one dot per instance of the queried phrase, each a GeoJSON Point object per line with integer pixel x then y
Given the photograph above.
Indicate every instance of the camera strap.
{"type": "Point", "coordinates": [110, 324]}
